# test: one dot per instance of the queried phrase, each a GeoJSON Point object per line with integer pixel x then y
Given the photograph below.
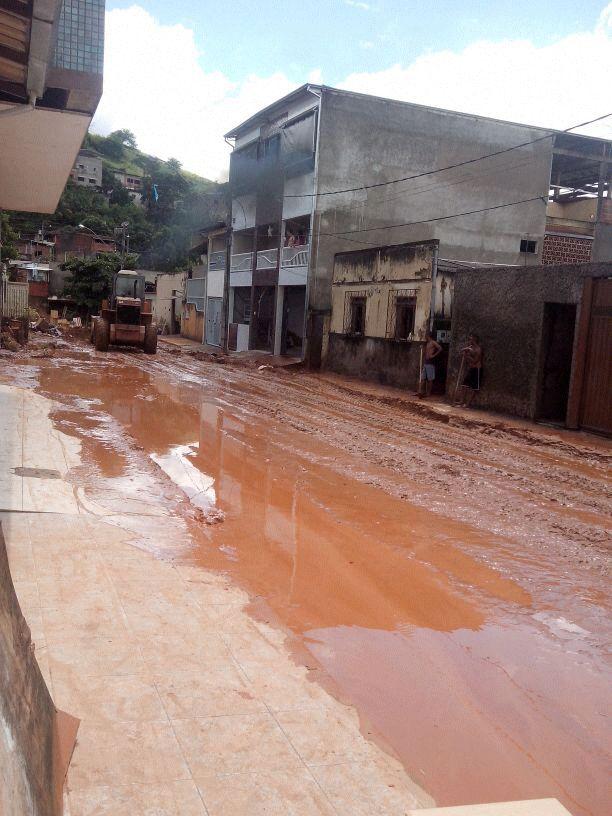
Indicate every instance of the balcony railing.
{"type": "Point", "coordinates": [267, 259]}
{"type": "Point", "coordinates": [242, 262]}
{"type": "Point", "coordinates": [296, 256]}
{"type": "Point", "coordinates": [216, 261]}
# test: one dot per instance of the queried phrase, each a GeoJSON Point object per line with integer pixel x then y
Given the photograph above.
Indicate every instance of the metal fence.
{"type": "Point", "coordinates": [13, 298]}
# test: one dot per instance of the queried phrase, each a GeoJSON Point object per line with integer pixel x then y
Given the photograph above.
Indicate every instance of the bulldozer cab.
{"type": "Point", "coordinates": [128, 284]}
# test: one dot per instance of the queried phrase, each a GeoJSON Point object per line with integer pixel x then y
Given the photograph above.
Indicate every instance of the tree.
{"type": "Point", "coordinates": [124, 137]}
{"type": "Point", "coordinates": [8, 236]}
{"type": "Point", "coordinates": [91, 280]}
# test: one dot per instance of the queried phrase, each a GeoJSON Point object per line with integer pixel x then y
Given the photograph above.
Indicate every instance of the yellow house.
{"type": "Point", "coordinates": [381, 309]}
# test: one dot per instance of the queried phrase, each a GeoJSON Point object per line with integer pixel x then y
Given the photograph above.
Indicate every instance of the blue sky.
{"type": "Point", "coordinates": [181, 73]}
{"type": "Point", "coordinates": [296, 36]}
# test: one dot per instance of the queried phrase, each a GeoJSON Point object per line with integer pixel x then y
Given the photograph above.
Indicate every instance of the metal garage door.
{"type": "Point", "coordinates": [213, 321]}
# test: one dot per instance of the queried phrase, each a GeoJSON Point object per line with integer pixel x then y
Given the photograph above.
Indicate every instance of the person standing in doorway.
{"type": "Point", "coordinates": [428, 372]}
{"type": "Point", "coordinates": [472, 365]}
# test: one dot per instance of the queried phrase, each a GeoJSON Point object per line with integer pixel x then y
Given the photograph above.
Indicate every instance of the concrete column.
{"type": "Point", "coordinates": [278, 326]}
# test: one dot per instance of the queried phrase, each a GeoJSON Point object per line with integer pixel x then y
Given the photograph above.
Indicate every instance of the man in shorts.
{"type": "Point", "coordinates": [428, 372]}
{"type": "Point", "coordinates": [472, 366]}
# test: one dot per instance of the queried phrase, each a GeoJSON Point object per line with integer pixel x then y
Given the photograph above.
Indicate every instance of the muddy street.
{"type": "Point", "coordinates": [446, 574]}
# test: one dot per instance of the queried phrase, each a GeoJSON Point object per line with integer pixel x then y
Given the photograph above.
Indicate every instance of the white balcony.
{"type": "Point", "coordinates": [216, 261]}
{"type": "Point", "coordinates": [294, 266]}
{"type": "Point", "coordinates": [267, 259]}
{"type": "Point", "coordinates": [296, 256]}
{"type": "Point", "coordinates": [242, 262]}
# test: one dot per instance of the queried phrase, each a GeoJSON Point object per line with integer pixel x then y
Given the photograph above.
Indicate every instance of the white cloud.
{"type": "Point", "coordinates": [556, 85]}
{"type": "Point", "coordinates": [156, 86]}
{"type": "Point", "coordinates": [367, 45]}
{"type": "Point", "coordinates": [358, 4]}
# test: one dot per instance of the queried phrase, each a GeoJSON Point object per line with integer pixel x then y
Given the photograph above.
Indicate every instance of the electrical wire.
{"type": "Point", "coordinates": [448, 167]}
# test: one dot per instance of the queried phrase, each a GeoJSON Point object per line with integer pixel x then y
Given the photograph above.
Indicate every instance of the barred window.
{"type": "Point", "coordinates": [355, 312]}
{"type": "Point", "coordinates": [401, 311]}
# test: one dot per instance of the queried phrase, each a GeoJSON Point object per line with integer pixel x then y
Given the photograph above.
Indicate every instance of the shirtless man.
{"type": "Point", "coordinates": [428, 372]}
{"type": "Point", "coordinates": [472, 356]}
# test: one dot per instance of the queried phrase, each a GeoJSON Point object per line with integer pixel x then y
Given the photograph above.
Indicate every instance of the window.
{"type": "Point", "coordinates": [358, 314]}
{"type": "Point", "coordinates": [405, 308]}
{"type": "Point", "coordinates": [530, 247]}
{"type": "Point", "coordinates": [401, 310]}
{"type": "Point", "coordinates": [92, 181]}
{"type": "Point", "coordinates": [81, 178]}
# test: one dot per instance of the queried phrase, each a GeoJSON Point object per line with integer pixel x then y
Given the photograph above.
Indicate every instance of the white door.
{"type": "Point", "coordinates": [214, 307]}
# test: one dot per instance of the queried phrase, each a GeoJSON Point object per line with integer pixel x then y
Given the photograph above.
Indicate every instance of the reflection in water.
{"type": "Point", "coordinates": [196, 485]}
{"type": "Point", "coordinates": [447, 658]}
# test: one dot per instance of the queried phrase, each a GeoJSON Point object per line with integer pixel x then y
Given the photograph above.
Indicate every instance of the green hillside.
{"type": "Point", "coordinates": [175, 204]}
{"type": "Point", "coordinates": [118, 151]}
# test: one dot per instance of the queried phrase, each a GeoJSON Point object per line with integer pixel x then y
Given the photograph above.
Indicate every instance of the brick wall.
{"type": "Point", "coordinates": [565, 249]}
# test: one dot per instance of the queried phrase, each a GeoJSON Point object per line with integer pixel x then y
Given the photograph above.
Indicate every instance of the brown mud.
{"type": "Point", "coordinates": [448, 575]}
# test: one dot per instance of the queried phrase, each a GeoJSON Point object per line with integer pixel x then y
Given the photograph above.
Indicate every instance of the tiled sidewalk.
{"type": "Point", "coordinates": [188, 705]}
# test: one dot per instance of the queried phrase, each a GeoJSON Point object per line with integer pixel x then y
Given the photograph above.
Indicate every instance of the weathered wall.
{"type": "Point", "coordinates": [564, 249]}
{"type": "Point", "coordinates": [192, 323]}
{"type": "Point", "coordinates": [28, 776]}
{"type": "Point", "coordinates": [170, 288]}
{"type": "Point", "coordinates": [505, 308]}
{"type": "Point", "coordinates": [379, 272]}
{"type": "Point", "coordinates": [381, 275]}
{"type": "Point", "coordinates": [365, 140]}
{"type": "Point", "coordinates": [391, 362]}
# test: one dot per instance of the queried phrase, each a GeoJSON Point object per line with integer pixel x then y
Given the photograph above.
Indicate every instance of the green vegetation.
{"type": "Point", "coordinates": [92, 279]}
{"type": "Point", "coordinates": [8, 251]}
{"type": "Point", "coordinates": [174, 204]}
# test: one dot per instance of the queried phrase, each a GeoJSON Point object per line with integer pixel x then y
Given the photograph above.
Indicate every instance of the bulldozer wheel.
{"type": "Point", "coordinates": [150, 339]}
{"type": "Point", "coordinates": [102, 334]}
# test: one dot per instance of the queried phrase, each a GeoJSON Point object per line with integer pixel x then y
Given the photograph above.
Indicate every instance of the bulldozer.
{"type": "Point", "coordinates": [125, 319]}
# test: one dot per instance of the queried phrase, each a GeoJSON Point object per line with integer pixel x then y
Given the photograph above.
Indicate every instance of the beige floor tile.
{"type": "Point", "coordinates": [230, 618]}
{"type": "Point", "coordinates": [173, 799]}
{"type": "Point", "coordinates": [58, 591]}
{"type": "Point", "coordinates": [33, 617]}
{"type": "Point", "coordinates": [181, 651]}
{"type": "Point", "coordinates": [122, 698]}
{"type": "Point", "coordinates": [278, 793]}
{"type": "Point", "coordinates": [42, 658]}
{"type": "Point", "coordinates": [252, 647]}
{"type": "Point", "coordinates": [96, 656]}
{"type": "Point", "coordinates": [93, 617]}
{"type": "Point", "coordinates": [237, 744]}
{"type": "Point", "coordinates": [372, 788]}
{"type": "Point", "coordinates": [21, 564]}
{"type": "Point", "coordinates": [123, 753]}
{"type": "Point", "coordinates": [286, 687]}
{"type": "Point", "coordinates": [219, 689]}
{"type": "Point", "coordinates": [160, 612]}
{"type": "Point", "coordinates": [27, 594]}
{"type": "Point", "coordinates": [325, 736]}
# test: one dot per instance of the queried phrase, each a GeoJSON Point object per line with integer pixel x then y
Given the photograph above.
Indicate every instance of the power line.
{"type": "Point", "coordinates": [448, 167]}
{"type": "Point", "coordinates": [341, 234]}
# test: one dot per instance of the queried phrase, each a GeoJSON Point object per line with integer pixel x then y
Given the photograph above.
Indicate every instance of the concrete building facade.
{"type": "Point", "coordinates": [546, 334]}
{"type": "Point", "coordinates": [50, 86]}
{"type": "Point", "coordinates": [382, 301]}
{"type": "Point", "coordinates": [87, 170]}
{"type": "Point", "coordinates": [323, 172]}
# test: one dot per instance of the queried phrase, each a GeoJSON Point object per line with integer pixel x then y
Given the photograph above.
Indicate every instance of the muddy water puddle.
{"type": "Point", "coordinates": [486, 681]}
